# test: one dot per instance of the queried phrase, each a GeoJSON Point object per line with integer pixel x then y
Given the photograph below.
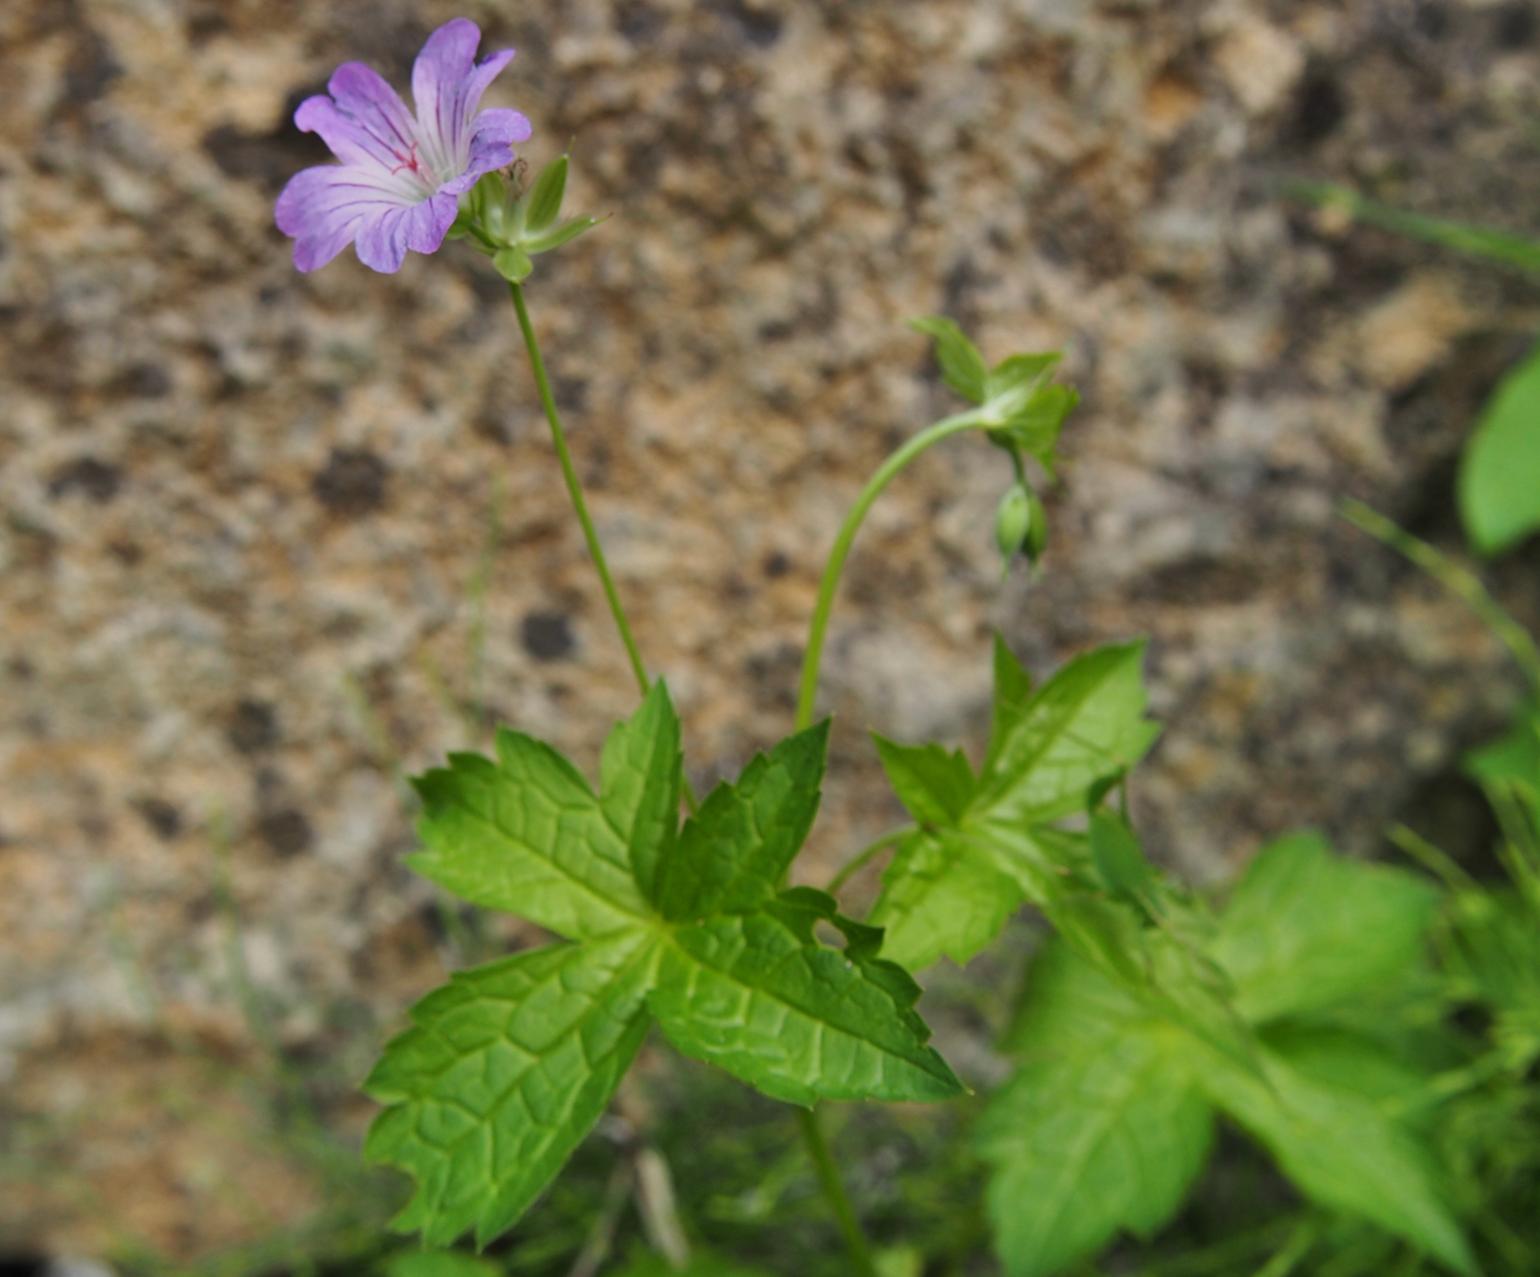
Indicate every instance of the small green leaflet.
{"type": "Point", "coordinates": [1144, 1062]}
{"type": "Point", "coordinates": [985, 844]}
{"type": "Point", "coordinates": [1017, 403]}
{"type": "Point", "coordinates": [1499, 484]}
{"type": "Point", "coordinates": [508, 1066]}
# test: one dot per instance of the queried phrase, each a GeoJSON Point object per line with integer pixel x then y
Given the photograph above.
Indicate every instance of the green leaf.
{"type": "Point", "coordinates": [1306, 929]}
{"type": "Point", "coordinates": [1343, 1060]}
{"type": "Point", "coordinates": [1499, 484]}
{"type": "Point", "coordinates": [949, 888]}
{"type": "Point", "coordinates": [962, 367]}
{"type": "Point", "coordinates": [947, 892]}
{"type": "Point", "coordinates": [439, 1263]}
{"type": "Point", "coordinates": [545, 196]}
{"type": "Point", "coordinates": [507, 1067]}
{"type": "Point", "coordinates": [1083, 1146]}
{"type": "Point", "coordinates": [1085, 723]}
{"type": "Point", "coordinates": [1513, 756]}
{"type": "Point", "coordinates": [756, 995]}
{"type": "Point", "coordinates": [700, 1265]}
{"type": "Point", "coordinates": [1342, 1150]}
{"type": "Point", "coordinates": [933, 783]}
{"type": "Point", "coordinates": [1013, 691]}
{"type": "Point", "coordinates": [1498, 956]}
{"type": "Point", "coordinates": [640, 774]}
{"type": "Point", "coordinates": [1118, 857]}
{"type": "Point", "coordinates": [1101, 1129]}
{"type": "Point", "coordinates": [733, 853]}
{"type": "Point", "coordinates": [527, 835]}
{"type": "Point", "coordinates": [512, 263]}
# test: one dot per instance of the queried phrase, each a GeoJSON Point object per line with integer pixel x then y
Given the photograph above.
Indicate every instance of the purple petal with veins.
{"type": "Point", "coordinates": [401, 173]}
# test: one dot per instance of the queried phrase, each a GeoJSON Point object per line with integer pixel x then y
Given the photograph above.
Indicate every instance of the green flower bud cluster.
{"type": "Point", "coordinates": [513, 223]}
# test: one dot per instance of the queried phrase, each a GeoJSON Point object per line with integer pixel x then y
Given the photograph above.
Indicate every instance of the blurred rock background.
{"type": "Point", "coordinates": [268, 543]}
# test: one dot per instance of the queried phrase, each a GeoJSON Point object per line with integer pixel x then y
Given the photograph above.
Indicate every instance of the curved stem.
{"type": "Point", "coordinates": [829, 1176]}
{"type": "Point", "coordinates": [575, 491]}
{"type": "Point", "coordinates": [840, 551]}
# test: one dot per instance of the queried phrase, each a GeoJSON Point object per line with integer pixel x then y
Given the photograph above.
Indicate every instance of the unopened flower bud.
{"type": "Point", "coordinates": [1013, 521]}
{"type": "Point", "coordinates": [1036, 540]}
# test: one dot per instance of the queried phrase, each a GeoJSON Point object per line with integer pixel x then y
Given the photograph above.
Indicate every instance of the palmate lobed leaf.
{"type": "Point", "coordinates": [985, 846]}
{"type": "Point", "coordinates": [1318, 1093]}
{"type": "Point", "coordinates": [508, 1066]}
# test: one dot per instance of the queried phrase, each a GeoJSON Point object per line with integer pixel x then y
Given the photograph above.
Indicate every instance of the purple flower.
{"type": "Point", "coordinates": [402, 175]}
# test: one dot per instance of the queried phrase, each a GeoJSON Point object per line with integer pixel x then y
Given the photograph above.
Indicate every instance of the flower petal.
{"type": "Point", "coordinates": [383, 239]}
{"type": "Point", "coordinates": [490, 147]}
{"type": "Point", "coordinates": [446, 87]}
{"type": "Point", "coordinates": [323, 208]}
{"type": "Point", "coordinates": [364, 121]}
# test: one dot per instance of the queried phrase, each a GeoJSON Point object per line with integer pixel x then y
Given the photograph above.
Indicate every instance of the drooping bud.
{"type": "Point", "coordinates": [1013, 521]}
{"type": "Point", "coordinates": [1036, 540]}
{"type": "Point", "coordinates": [1021, 526]}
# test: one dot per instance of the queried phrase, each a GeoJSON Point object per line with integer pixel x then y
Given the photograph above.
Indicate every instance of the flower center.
{"type": "Point", "coordinates": [410, 162]}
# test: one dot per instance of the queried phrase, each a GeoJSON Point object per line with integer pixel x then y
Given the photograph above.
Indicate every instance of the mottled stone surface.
{"type": "Point", "coordinates": [269, 543]}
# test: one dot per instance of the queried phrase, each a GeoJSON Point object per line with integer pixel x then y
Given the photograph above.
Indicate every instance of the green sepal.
{"type": "Point", "coordinates": [489, 206]}
{"type": "Point", "coordinates": [564, 233]}
{"type": "Point", "coordinates": [513, 264]}
{"type": "Point", "coordinates": [543, 203]}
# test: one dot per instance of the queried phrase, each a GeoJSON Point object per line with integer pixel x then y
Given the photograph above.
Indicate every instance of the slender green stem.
{"type": "Point", "coordinates": [819, 627]}
{"type": "Point", "coordinates": [867, 853]}
{"type": "Point", "coordinates": [1458, 580]}
{"type": "Point", "coordinates": [575, 491]}
{"type": "Point", "coordinates": [829, 1177]}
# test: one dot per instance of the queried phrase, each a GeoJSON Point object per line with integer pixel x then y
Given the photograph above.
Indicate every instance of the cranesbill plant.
{"type": "Point", "coordinates": [673, 911]}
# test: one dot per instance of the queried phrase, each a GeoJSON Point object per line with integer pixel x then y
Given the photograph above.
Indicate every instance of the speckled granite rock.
{"type": "Point", "coordinates": [269, 542]}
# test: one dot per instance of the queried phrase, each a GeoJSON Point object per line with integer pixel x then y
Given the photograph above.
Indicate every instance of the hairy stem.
{"type": "Point", "coordinates": [575, 491]}
{"type": "Point", "coordinates": [818, 629]}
